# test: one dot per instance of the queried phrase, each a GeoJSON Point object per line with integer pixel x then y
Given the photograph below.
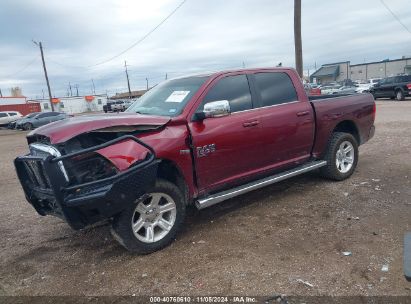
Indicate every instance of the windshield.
{"type": "Point", "coordinates": [168, 98]}
{"type": "Point", "coordinates": [31, 115]}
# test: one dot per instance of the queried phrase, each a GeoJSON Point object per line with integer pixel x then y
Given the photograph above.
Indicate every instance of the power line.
{"type": "Point", "coordinates": [396, 17]}
{"type": "Point", "coordinates": [24, 68]}
{"type": "Point", "coordinates": [142, 38]}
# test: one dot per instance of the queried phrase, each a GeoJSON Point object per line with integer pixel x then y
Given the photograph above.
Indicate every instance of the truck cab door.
{"type": "Point", "coordinates": [230, 147]}
{"type": "Point", "coordinates": [287, 123]}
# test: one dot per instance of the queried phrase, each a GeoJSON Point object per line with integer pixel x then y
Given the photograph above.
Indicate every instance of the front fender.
{"type": "Point", "coordinates": [124, 154]}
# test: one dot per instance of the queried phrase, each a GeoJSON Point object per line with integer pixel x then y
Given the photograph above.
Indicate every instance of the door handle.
{"type": "Point", "coordinates": [250, 123]}
{"type": "Point", "coordinates": [302, 113]}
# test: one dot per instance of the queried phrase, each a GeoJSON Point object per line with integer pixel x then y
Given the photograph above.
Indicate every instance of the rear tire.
{"type": "Point", "coordinates": [399, 95]}
{"type": "Point", "coordinates": [341, 157]}
{"type": "Point", "coordinates": [153, 221]}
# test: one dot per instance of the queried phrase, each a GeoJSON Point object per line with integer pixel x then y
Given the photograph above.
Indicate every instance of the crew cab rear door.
{"type": "Point", "coordinates": [230, 147]}
{"type": "Point", "coordinates": [287, 123]}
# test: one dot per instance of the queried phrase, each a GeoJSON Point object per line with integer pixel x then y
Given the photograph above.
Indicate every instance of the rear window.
{"type": "Point", "coordinates": [404, 78]}
{"type": "Point", "coordinates": [275, 88]}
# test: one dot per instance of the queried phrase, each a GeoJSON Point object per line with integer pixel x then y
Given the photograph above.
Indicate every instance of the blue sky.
{"type": "Point", "coordinates": [201, 36]}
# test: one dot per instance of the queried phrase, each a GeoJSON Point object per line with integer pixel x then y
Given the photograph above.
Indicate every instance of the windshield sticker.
{"type": "Point", "coordinates": [177, 96]}
{"type": "Point", "coordinates": [172, 110]}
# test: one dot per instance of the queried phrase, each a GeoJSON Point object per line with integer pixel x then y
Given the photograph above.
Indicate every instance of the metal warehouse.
{"type": "Point", "coordinates": [340, 71]}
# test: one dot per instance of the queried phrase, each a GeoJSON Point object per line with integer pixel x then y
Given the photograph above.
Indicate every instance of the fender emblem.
{"type": "Point", "coordinates": [205, 150]}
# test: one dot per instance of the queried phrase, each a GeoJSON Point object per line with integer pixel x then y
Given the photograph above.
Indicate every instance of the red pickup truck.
{"type": "Point", "coordinates": [193, 140]}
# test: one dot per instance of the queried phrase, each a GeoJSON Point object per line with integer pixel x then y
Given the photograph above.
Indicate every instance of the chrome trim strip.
{"type": "Point", "coordinates": [222, 196]}
{"type": "Point", "coordinates": [52, 151]}
{"type": "Point", "coordinates": [265, 107]}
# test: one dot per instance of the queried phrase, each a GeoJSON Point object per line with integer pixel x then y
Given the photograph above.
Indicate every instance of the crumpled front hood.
{"type": "Point", "coordinates": [63, 130]}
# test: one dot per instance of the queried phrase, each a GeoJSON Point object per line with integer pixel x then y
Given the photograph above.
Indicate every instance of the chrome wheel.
{"type": "Point", "coordinates": [154, 217]}
{"type": "Point", "coordinates": [345, 157]}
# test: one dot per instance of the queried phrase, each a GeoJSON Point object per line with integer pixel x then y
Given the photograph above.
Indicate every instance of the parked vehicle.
{"type": "Point", "coordinates": [347, 90]}
{"type": "Point", "coordinates": [7, 117]}
{"type": "Point", "coordinates": [193, 140]}
{"type": "Point", "coordinates": [107, 107]}
{"type": "Point", "coordinates": [13, 124]}
{"type": "Point", "coordinates": [373, 81]}
{"type": "Point", "coordinates": [329, 90]}
{"type": "Point", "coordinates": [116, 106]}
{"type": "Point", "coordinates": [35, 120]}
{"type": "Point", "coordinates": [363, 88]}
{"type": "Point", "coordinates": [311, 89]}
{"type": "Point", "coordinates": [396, 87]}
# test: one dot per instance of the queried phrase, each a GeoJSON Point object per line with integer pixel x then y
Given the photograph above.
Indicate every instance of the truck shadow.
{"type": "Point", "coordinates": [97, 242]}
{"type": "Point", "coordinates": [264, 195]}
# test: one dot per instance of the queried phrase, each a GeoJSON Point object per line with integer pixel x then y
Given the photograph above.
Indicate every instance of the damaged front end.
{"type": "Point", "coordinates": [88, 178]}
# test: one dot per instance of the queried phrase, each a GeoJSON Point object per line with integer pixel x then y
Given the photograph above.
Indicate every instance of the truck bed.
{"type": "Point", "coordinates": [332, 110]}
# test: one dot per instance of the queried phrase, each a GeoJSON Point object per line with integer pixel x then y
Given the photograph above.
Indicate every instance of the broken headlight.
{"type": "Point", "coordinates": [88, 168]}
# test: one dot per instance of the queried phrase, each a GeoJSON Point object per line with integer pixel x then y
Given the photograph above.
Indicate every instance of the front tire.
{"type": "Point", "coordinates": [153, 221]}
{"type": "Point", "coordinates": [341, 157]}
{"type": "Point", "coordinates": [28, 126]}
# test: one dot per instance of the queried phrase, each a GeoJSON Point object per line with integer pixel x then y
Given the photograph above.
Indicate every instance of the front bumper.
{"type": "Point", "coordinates": [48, 190]}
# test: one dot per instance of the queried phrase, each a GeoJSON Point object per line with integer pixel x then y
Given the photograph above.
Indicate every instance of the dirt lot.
{"type": "Point", "coordinates": [259, 244]}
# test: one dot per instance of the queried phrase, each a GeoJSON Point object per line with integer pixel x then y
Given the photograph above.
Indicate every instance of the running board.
{"type": "Point", "coordinates": [225, 195]}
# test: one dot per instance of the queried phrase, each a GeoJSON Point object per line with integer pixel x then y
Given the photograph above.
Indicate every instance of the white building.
{"type": "Point", "coordinates": [75, 104]}
{"type": "Point", "coordinates": [12, 100]}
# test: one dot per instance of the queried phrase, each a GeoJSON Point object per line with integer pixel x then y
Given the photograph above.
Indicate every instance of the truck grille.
{"type": "Point", "coordinates": [37, 174]}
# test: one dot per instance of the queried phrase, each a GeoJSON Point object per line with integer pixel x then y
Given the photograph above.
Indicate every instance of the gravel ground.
{"type": "Point", "coordinates": [262, 243]}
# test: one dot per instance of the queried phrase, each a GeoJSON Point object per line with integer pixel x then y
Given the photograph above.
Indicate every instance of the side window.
{"type": "Point", "coordinates": [235, 89]}
{"type": "Point", "coordinates": [12, 114]}
{"type": "Point", "coordinates": [3, 114]}
{"type": "Point", "coordinates": [389, 80]}
{"type": "Point", "coordinates": [275, 88]}
{"type": "Point", "coordinates": [41, 115]}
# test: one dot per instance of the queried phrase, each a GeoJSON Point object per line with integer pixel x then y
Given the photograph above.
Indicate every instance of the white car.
{"type": "Point", "coordinates": [7, 117]}
{"type": "Point", "coordinates": [329, 90]}
{"type": "Point", "coordinates": [365, 87]}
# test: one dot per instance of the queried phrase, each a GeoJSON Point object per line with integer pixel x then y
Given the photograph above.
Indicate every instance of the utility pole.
{"type": "Point", "coordinates": [297, 38]}
{"type": "Point", "coordinates": [45, 73]}
{"type": "Point", "coordinates": [128, 80]}
{"type": "Point", "coordinates": [147, 83]}
{"type": "Point", "coordinates": [243, 65]}
{"type": "Point", "coordinates": [1, 94]}
{"type": "Point", "coordinates": [94, 88]}
{"type": "Point", "coordinates": [166, 76]}
{"type": "Point", "coordinates": [76, 86]}
{"type": "Point", "coordinates": [42, 91]}
{"type": "Point", "coordinates": [71, 92]}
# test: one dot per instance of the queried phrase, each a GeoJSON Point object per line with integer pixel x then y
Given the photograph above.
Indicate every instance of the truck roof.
{"type": "Point", "coordinates": [222, 72]}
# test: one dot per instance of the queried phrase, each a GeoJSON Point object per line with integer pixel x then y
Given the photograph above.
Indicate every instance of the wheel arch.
{"type": "Point", "coordinates": [170, 171]}
{"type": "Point", "coordinates": [348, 126]}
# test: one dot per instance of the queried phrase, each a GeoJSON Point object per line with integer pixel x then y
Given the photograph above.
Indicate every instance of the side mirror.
{"type": "Point", "coordinates": [214, 109]}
